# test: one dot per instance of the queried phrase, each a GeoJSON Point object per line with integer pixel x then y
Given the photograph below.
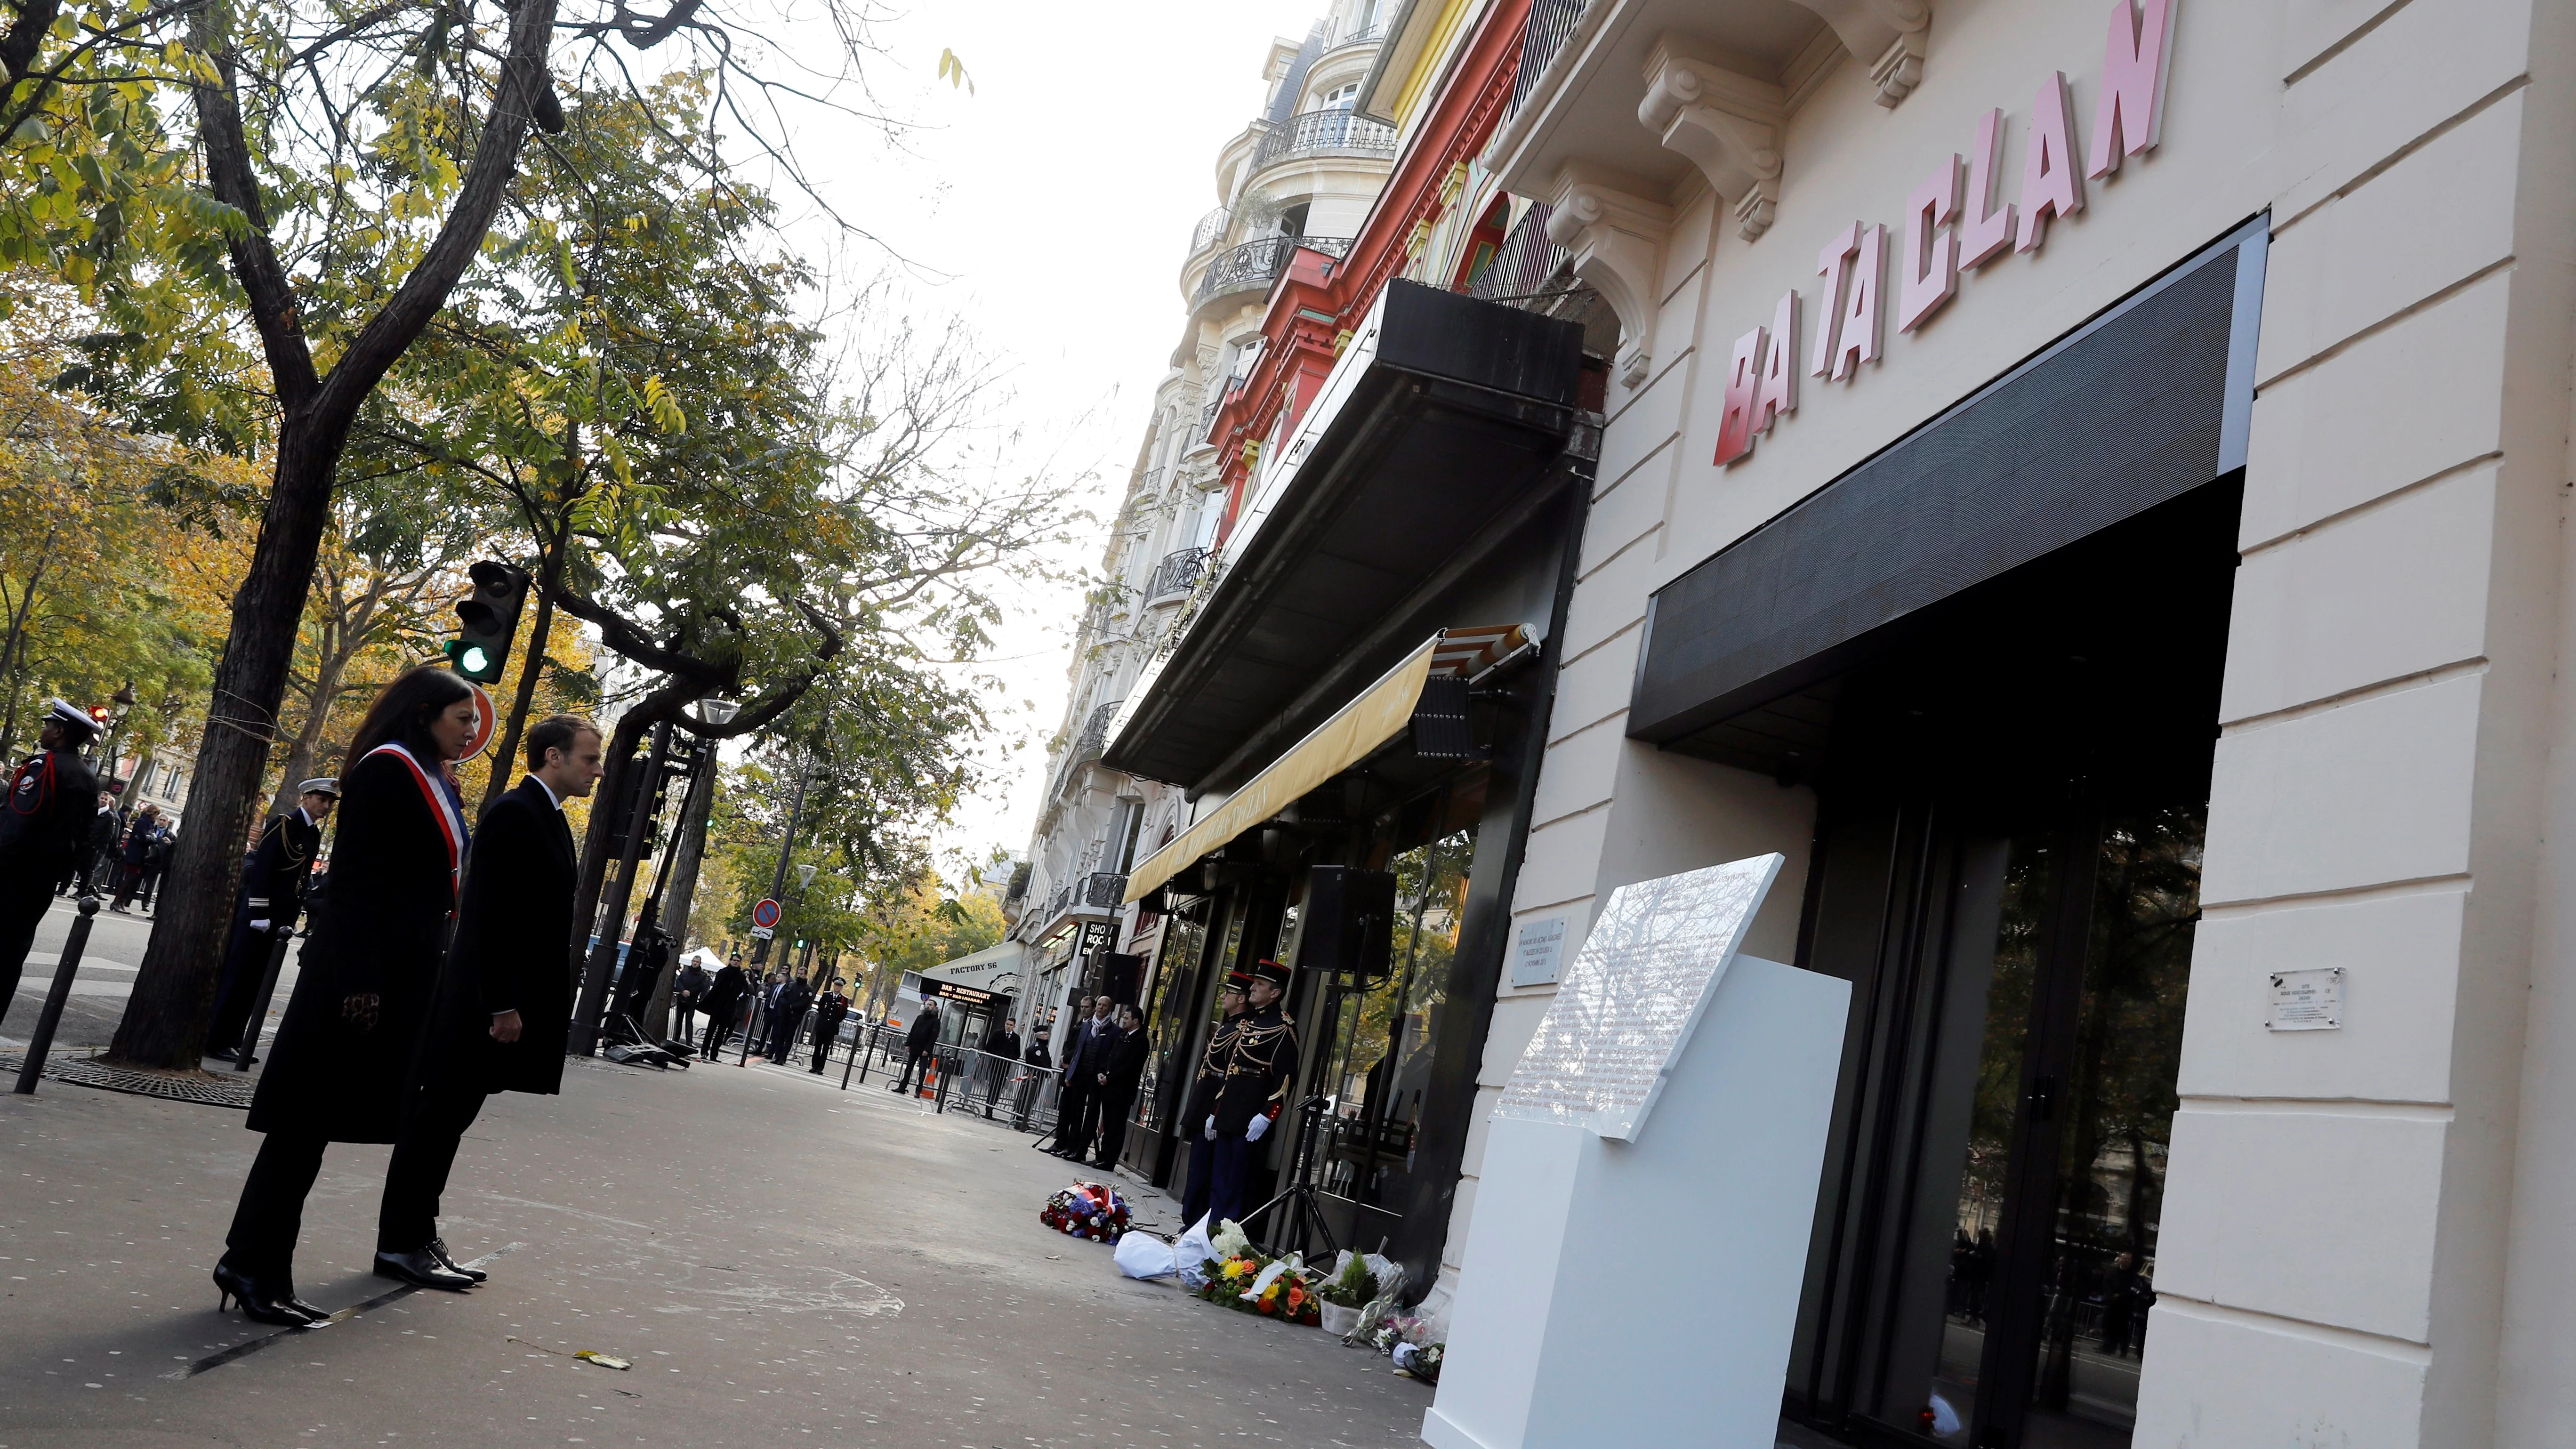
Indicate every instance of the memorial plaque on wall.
{"type": "Point", "coordinates": [1626, 1007]}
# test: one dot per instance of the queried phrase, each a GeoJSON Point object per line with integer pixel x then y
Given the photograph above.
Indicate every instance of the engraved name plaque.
{"type": "Point", "coordinates": [1627, 1006]}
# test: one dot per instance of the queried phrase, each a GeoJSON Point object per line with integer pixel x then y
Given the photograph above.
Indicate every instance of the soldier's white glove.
{"type": "Point", "coordinates": [1259, 1126]}
{"type": "Point", "coordinates": [1211, 1129]}
{"type": "Point", "coordinates": [260, 925]}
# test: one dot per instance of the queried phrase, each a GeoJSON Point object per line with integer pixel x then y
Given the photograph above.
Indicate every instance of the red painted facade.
{"type": "Point", "coordinates": [1320, 298]}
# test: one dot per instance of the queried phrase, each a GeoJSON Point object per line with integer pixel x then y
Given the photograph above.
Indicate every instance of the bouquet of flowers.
{"type": "Point", "coordinates": [1087, 1210]}
{"type": "Point", "coordinates": [1274, 1288]}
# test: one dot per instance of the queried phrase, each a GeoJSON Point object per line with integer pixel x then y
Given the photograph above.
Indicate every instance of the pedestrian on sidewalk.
{"type": "Point", "coordinates": [101, 843]}
{"type": "Point", "coordinates": [788, 1014]}
{"type": "Point", "coordinates": [1001, 1061]}
{"type": "Point", "coordinates": [918, 1045]}
{"type": "Point", "coordinates": [341, 1069]}
{"type": "Point", "coordinates": [725, 996]}
{"type": "Point", "coordinates": [1037, 1065]}
{"type": "Point", "coordinates": [141, 840]}
{"type": "Point", "coordinates": [42, 830]}
{"type": "Point", "coordinates": [265, 910]}
{"type": "Point", "coordinates": [1086, 1056]}
{"type": "Point", "coordinates": [1118, 1082]}
{"type": "Point", "coordinates": [156, 859]}
{"type": "Point", "coordinates": [829, 1009]}
{"type": "Point", "coordinates": [504, 1003]}
{"type": "Point", "coordinates": [686, 989]}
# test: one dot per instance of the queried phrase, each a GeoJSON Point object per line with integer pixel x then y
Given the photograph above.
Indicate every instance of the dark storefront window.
{"type": "Point", "coordinates": [1381, 1046]}
{"type": "Point", "coordinates": [1169, 1034]}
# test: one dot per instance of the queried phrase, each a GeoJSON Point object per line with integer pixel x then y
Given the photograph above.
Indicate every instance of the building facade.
{"type": "Point", "coordinates": [1293, 184]}
{"type": "Point", "coordinates": [2084, 483]}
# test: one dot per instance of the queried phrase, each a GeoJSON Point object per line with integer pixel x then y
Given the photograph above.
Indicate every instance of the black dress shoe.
{"type": "Point", "coordinates": [447, 1260]}
{"type": "Point", "coordinates": [263, 1302]}
{"type": "Point", "coordinates": [420, 1268]}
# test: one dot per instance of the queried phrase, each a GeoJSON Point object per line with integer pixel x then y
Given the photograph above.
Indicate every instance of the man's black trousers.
{"type": "Point", "coordinates": [418, 1173]}
{"type": "Point", "coordinates": [918, 1059]}
{"type": "Point", "coordinates": [1113, 1126]}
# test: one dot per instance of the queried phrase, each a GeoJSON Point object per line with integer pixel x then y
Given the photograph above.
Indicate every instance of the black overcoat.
{"type": "Point", "coordinates": [382, 930]}
{"type": "Point", "coordinates": [513, 951]}
{"type": "Point", "coordinates": [44, 822]}
{"type": "Point", "coordinates": [725, 994]}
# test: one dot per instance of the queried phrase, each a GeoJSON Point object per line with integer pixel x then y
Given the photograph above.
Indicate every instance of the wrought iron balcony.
{"type": "Point", "coordinates": [1550, 24]}
{"type": "Point", "coordinates": [1360, 34]}
{"type": "Point", "coordinates": [1254, 265]}
{"type": "Point", "coordinates": [1176, 574]}
{"type": "Point", "coordinates": [1318, 131]}
{"type": "Point", "coordinates": [1210, 230]}
{"type": "Point", "coordinates": [1087, 746]}
{"type": "Point", "coordinates": [1099, 891]}
{"type": "Point", "coordinates": [1520, 271]}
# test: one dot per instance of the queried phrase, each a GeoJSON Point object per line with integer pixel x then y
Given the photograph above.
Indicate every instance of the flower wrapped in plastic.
{"type": "Point", "coordinates": [1091, 1211]}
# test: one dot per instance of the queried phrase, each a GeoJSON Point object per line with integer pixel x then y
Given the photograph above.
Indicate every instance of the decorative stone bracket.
{"type": "Point", "coordinates": [1728, 124]}
{"type": "Point", "coordinates": [1615, 236]}
{"type": "Point", "coordinates": [1889, 34]}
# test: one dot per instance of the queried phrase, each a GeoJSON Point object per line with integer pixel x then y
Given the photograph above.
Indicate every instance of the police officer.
{"type": "Point", "coordinates": [829, 1009]}
{"type": "Point", "coordinates": [1231, 1012]}
{"type": "Point", "coordinates": [265, 909]}
{"type": "Point", "coordinates": [52, 800]}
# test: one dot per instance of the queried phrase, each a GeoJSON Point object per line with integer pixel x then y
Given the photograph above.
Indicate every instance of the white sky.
{"type": "Point", "coordinates": [1050, 210]}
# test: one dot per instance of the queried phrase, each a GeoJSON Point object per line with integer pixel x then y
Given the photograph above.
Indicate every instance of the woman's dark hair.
{"type": "Point", "coordinates": [401, 714]}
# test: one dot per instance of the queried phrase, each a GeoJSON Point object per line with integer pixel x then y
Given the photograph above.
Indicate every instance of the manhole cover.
{"type": "Point", "coordinates": [205, 1088]}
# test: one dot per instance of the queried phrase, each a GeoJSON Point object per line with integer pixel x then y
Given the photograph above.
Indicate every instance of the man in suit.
{"type": "Point", "coordinates": [264, 911]}
{"type": "Point", "coordinates": [723, 1002]}
{"type": "Point", "coordinates": [504, 1002]}
{"type": "Point", "coordinates": [787, 1014]}
{"type": "Point", "coordinates": [42, 829]}
{"type": "Point", "coordinates": [1086, 1056]}
{"type": "Point", "coordinates": [686, 989]}
{"type": "Point", "coordinates": [918, 1045]}
{"type": "Point", "coordinates": [1118, 1079]}
{"type": "Point", "coordinates": [142, 843]}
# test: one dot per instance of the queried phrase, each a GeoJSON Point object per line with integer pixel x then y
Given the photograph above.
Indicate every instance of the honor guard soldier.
{"type": "Point", "coordinates": [266, 908]}
{"type": "Point", "coordinates": [1257, 1076]}
{"type": "Point", "coordinates": [52, 800]}
{"type": "Point", "coordinates": [1231, 1011]}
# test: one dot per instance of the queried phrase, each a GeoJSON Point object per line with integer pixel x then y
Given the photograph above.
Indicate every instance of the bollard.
{"type": "Point", "coordinates": [51, 1017]}
{"type": "Point", "coordinates": [852, 1062]}
{"type": "Point", "coordinates": [939, 1099]}
{"type": "Point", "coordinates": [267, 996]}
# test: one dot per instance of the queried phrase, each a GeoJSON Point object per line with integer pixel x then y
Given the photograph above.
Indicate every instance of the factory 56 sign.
{"type": "Point", "coordinates": [1952, 221]}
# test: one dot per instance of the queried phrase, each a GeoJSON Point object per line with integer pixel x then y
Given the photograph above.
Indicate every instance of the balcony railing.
{"type": "Point", "coordinates": [1174, 576]}
{"type": "Point", "coordinates": [1087, 747]}
{"type": "Point", "coordinates": [1361, 33]}
{"type": "Point", "coordinates": [1520, 270]}
{"type": "Point", "coordinates": [1210, 230]}
{"type": "Point", "coordinates": [1254, 265]}
{"type": "Point", "coordinates": [1097, 891]}
{"type": "Point", "coordinates": [1314, 131]}
{"type": "Point", "coordinates": [1207, 418]}
{"type": "Point", "coordinates": [1550, 24]}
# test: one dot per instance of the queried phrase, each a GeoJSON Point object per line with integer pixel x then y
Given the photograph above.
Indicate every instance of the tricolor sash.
{"type": "Point", "coordinates": [451, 825]}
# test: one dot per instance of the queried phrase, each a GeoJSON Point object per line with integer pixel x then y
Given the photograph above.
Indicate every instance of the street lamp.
{"type": "Point", "coordinates": [123, 699]}
{"type": "Point", "coordinates": [804, 876]}
{"type": "Point", "coordinates": [719, 712]}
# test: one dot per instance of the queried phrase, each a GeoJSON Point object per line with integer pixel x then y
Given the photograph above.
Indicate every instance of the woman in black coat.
{"type": "Point", "coordinates": [338, 1069]}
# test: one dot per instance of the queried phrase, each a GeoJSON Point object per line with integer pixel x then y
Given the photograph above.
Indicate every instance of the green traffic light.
{"type": "Point", "coordinates": [474, 659]}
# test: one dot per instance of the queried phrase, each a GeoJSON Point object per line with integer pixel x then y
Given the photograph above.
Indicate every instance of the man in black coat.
{"type": "Point", "coordinates": [1086, 1056]}
{"type": "Point", "coordinates": [265, 910]}
{"type": "Point", "coordinates": [686, 989]}
{"type": "Point", "coordinates": [142, 843]}
{"type": "Point", "coordinates": [918, 1045]}
{"type": "Point", "coordinates": [829, 1009]}
{"type": "Point", "coordinates": [1117, 1081]}
{"type": "Point", "coordinates": [43, 829]}
{"type": "Point", "coordinates": [722, 1003]}
{"type": "Point", "coordinates": [102, 839]}
{"type": "Point", "coordinates": [786, 1014]}
{"type": "Point", "coordinates": [504, 1002]}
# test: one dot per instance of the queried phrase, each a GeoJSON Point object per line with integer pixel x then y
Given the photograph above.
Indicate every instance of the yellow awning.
{"type": "Point", "coordinates": [1378, 714]}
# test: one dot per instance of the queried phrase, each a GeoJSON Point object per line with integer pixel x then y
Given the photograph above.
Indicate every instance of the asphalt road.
{"type": "Point", "coordinates": [781, 1262]}
{"type": "Point", "coordinates": [106, 979]}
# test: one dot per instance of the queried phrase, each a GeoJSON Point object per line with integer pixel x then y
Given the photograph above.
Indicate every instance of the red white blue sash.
{"type": "Point", "coordinates": [451, 825]}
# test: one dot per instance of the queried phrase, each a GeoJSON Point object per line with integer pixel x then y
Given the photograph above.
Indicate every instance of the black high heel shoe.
{"type": "Point", "coordinates": [261, 1303]}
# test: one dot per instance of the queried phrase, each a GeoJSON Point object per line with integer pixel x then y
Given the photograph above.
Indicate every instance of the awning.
{"type": "Point", "coordinates": [1379, 713]}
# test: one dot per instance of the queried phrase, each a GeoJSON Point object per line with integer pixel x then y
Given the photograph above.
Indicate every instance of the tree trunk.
{"type": "Point", "coordinates": [609, 916]}
{"type": "Point", "coordinates": [692, 832]}
{"type": "Point", "coordinates": [165, 1020]}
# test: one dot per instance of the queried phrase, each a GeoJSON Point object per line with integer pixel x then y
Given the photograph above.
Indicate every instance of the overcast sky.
{"type": "Point", "coordinates": [1050, 210]}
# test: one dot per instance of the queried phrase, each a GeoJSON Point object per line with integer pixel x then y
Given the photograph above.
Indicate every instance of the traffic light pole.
{"type": "Point", "coordinates": [612, 915]}
{"type": "Point", "coordinates": [786, 848]}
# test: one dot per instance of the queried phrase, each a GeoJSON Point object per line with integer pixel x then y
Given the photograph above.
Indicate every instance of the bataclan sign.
{"type": "Point", "coordinates": [1762, 375]}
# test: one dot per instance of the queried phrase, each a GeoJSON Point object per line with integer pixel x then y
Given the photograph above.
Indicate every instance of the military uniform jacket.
{"type": "Point", "coordinates": [1258, 1070]}
{"type": "Point", "coordinates": [829, 1009]}
{"type": "Point", "coordinates": [272, 887]}
{"type": "Point", "coordinates": [45, 825]}
{"type": "Point", "coordinates": [1211, 1073]}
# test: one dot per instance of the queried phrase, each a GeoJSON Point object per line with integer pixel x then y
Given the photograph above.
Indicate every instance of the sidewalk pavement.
{"type": "Point", "coordinates": [782, 1262]}
{"type": "Point", "coordinates": [106, 979]}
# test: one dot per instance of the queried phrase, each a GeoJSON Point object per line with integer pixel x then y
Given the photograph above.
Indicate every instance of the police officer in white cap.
{"type": "Point", "coordinates": [43, 827]}
{"type": "Point", "coordinates": [271, 897]}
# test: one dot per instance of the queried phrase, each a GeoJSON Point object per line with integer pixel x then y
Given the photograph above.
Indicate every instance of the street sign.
{"type": "Point", "coordinates": [487, 722]}
{"type": "Point", "coordinates": [762, 933]}
{"type": "Point", "coordinates": [764, 916]}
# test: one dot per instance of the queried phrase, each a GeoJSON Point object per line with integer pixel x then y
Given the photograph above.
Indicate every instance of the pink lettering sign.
{"type": "Point", "coordinates": [2130, 113]}
{"type": "Point", "coordinates": [2048, 182]}
{"type": "Point", "coordinates": [1931, 246]}
{"type": "Point", "coordinates": [1989, 228]}
{"type": "Point", "coordinates": [1743, 380]}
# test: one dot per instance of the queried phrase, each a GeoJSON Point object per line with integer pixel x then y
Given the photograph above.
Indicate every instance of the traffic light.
{"type": "Point", "coordinates": [488, 621]}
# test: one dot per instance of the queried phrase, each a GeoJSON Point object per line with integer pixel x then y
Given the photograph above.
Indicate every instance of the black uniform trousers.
{"type": "Point", "coordinates": [23, 900]}
{"type": "Point", "coordinates": [1113, 1125]}
{"type": "Point", "coordinates": [245, 967]}
{"type": "Point", "coordinates": [1073, 1109]}
{"type": "Point", "coordinates": [716, 1034]}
